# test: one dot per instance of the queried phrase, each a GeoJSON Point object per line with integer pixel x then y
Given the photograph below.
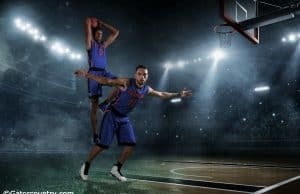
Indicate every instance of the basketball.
{"type": "Point", "coordinates": [94, 22]}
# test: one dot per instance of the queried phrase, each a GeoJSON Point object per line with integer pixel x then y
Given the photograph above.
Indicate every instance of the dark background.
{"type": "Point", "coordinates": [44, 108]}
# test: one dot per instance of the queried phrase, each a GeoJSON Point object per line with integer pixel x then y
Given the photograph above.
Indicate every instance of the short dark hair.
{"type": "Point", "coordinates": [140, 67]}
{"type": "Point", "coordinates": [94, 30]}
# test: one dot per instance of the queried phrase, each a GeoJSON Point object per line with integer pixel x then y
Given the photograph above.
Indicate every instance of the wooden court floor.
{"type": "Point", "coordinates": [59, 173]}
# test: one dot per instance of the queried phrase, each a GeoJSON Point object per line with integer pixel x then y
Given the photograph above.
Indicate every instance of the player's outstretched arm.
{"type": "Point", "coordinates": [166, 95]}
{"type": "Point", "coordinates": [123, 82]}
{"type": "Point", "coordinates": [114, 33]}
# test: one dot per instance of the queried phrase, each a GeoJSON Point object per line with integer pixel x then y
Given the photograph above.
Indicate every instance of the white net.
{"type": "Point", "coordinates": [225, 32]}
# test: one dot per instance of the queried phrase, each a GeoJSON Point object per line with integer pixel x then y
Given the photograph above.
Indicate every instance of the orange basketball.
{"type": "Point", "coordinates": [94, 22]}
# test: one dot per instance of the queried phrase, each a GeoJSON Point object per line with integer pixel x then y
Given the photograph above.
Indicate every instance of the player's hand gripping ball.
{"type": "Point", "coordinates": [94, 22]}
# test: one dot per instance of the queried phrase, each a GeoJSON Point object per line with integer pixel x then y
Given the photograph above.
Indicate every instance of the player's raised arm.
{"type": "Point", "coordinates": [122, 82]}
{"type": "Point", "coordinates": [114, 33]}
{"type": "Point", "coordinates": [166, 95]}
{"type": "Point", "coordinates": [88, 33]}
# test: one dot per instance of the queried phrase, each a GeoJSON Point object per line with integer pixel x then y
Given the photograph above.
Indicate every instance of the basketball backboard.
{"type": "Point", "coordinates": [234, 12]}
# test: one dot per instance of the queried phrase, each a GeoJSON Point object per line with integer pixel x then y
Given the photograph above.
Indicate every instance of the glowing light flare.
{"type": "Point", "coordinates": [43, 38]}
{"type": "Point", "coordinates": [180, 64]}
{"type": "Point", "coordinates": [168, 66]}
{"type": "Point", "coordinates": [292, 37]}
{"type": "Point", "coordinates": [175, 100]}
{"type": "Point", "coordinates": [78, 56]}
{"type": "Point", "coordinates": [18, 22]}
{"type": "Point", "coordinates": [36, 37]}
{"type": "Point", "coordinates": [262, 89]}
{"type": "Point", "coordinates": [72, 56]}
{"type": "Point", "coordinates": [218, 54]}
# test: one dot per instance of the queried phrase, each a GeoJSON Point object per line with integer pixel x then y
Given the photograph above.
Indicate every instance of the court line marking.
{"type": "Point", "coordinates": [177, 173]}
{"type": "Point", "coordinates": [189, 185]}
{"type": "Point", "coordinates": [224, 182]}
{"type": "Point", "coordinates": [236, 164]}
{"type": "Point", "coordinates": [211, 188]}
{"type": "Point", "coordinates": [199, 180]}
{"type": "Point", "coordinates": [272, 187]}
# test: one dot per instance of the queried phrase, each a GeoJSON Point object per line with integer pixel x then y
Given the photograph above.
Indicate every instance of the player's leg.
{"type": "Point", "coordinates": [94, 94]}
{"type": "Point", "coordinates": [84, 170]}
{"type": "Point", "coordinates": [126, 137]}
{"type": "Point", "coordinates": [103, 141]}
{"type": "Point", "coordinates": [93, 153]}
{"type": "Point", "coordinates": [94, 108]}
{"type": "Point", "coordinates": [116, 169]}
{"type": "Point", "coordinates": [127, 150]}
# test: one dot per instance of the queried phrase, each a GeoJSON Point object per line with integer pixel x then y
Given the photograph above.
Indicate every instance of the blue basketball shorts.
{"type": "Point", "coordinates": [112, 125]}
{"type": "Point", "coordinates": [95, 88]}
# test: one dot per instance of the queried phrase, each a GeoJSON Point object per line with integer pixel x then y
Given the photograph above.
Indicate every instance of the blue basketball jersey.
{"type": "Point", "coordinates": [127, 100]}
{"type": "Point", "coordinates": [97, 55]}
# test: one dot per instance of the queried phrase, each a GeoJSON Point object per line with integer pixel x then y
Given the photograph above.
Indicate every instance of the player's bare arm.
{"type": "Point", "coordinates": [88, 33]}
{"type": "Point", "coordinates": [122, 82]}
{"type": "Point", "coordinates": [112, 95]}
{"type": "Point", "coordinates": [166, 95]}
{"type": "Point", "coordinates": [114, 33]}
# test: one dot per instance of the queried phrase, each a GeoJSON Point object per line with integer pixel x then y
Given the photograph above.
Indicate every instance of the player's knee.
{"type": "Point", "coordinates": [94, 101]}
{"type": "Point", "coordinates": [102, 147]}
{"type": "Point", "coordinates": [128, 149]}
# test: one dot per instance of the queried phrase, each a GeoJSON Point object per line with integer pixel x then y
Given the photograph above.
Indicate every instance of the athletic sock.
{"type": "Point", "coordinates": [119, 165]}
{"type": "Point", "coordinates": [86, 169]}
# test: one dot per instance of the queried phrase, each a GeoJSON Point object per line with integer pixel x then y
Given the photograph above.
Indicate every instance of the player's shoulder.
{"type": "Point", "coordinates": [148, 88]}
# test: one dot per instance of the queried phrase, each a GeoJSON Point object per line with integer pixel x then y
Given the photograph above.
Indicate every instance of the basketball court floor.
{"type": "Point", "coordinates": [59, 173]}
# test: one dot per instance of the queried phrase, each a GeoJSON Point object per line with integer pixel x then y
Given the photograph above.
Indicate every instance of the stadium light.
{"type": "Point", "coordinates": [218, 54]}
{"type": "Point", "coordinates": [292, 37]}
{"type": "Point", "coordinates": [78, 56]}
{"type": "Point", "coordinates": [180, 64]}
{"type": "Point", "coordinates": [43, 38]}
{"type": "Point", "coordinates": [36, 35]}
{"type": "Point", "coordinates": [27, 25]}
{"type": "Point", "coordinates": [262, 89]}
{"type": "Point", "coordinates": [72, 56]}
{"type": "Point", "coordinates": [175, 100]}
{"type": "Point", "coordinates": [18, 22]}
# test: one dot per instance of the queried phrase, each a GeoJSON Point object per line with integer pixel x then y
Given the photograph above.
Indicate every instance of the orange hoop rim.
{"type": "Point", "coordinates": [224, 29]}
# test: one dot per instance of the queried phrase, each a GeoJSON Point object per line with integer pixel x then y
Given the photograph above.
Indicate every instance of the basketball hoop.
{"type": "Point", "coordinates": [224, 32]}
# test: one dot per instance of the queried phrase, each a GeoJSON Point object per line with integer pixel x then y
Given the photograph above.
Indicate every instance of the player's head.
{"type": "Point", "coordinates": [141, 75]}
{"type": "Point", "coordinates": [97, 34]}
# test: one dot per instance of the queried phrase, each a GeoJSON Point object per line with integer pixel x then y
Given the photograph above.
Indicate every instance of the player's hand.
{"type": "Point", "coordinates": [94, 22]}
{"type": "Point", "coordinates": [81, 73]}
{"type": "Point", "coordinates": [185, 93]}
{"type": "Point", "coordinates": [103, 106]}
{"type": "Point", "coordinates": [88, 21]}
